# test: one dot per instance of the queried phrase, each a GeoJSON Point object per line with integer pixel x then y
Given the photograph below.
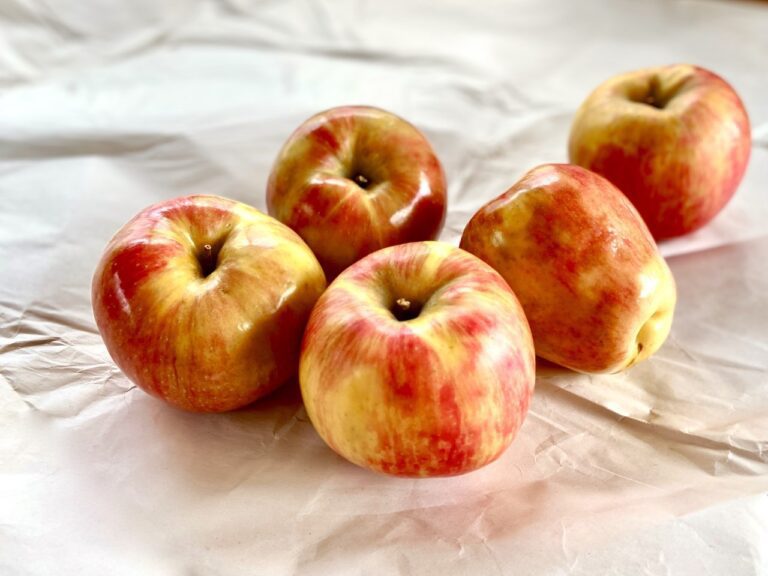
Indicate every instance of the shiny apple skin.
{"type": "Point", "coordinates": [441, 394]}
{"type": "Point", "coordinates": [597, 294]}
{"type": "Point", "coordinates": [205, 343]}
{"type": "Point", "coordinates": [679, 164]}
{"type": "Point", "coordinates": [312, 186]}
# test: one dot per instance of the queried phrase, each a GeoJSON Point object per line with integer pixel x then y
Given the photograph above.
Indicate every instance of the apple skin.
{"type": "Point", "coordinates": [441, 394]}
{"type": "Point", "coordinates": [315, 186]}
{"type": "Point", "coordinates": [597, 294]}
{"type": "Point", "coordinates": [674, 139]}
{"type": "Point", "coordinates": [205, 343]}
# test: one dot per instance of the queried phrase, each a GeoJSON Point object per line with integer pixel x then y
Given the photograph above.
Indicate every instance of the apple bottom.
{"type": "Point", "coordinates": [440, 389]}
{"type": "Point", "coordinates": [436, 432]}
{"type": "Point", "coordinates": [210, 370]}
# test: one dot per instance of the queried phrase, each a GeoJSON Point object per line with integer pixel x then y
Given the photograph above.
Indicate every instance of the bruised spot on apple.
{"type": "Point", "coordinates": [674, 139]}
{"type": "Point", "coordinates": [597, 294]}
{"type": "Point", "coordinates": [354, 179]}
{"type": "Point", "coordinates": [418, 361]}
{"type": "Point", "coordinates": [202, 301]}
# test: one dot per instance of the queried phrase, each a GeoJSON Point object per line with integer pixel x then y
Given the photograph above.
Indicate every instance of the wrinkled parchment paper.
{"type": "Point", "coordinates": [107, 106]}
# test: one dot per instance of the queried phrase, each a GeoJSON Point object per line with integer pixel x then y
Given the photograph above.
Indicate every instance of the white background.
{"type": "Point", "coordinates": [108, 106]}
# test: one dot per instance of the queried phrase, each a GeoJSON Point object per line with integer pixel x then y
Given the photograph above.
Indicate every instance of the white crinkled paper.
{"type": "Point", "coordinates": [106, 107]}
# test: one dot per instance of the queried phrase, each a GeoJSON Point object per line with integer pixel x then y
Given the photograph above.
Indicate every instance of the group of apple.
{"type": "Point", "coordinates": [419, 358]}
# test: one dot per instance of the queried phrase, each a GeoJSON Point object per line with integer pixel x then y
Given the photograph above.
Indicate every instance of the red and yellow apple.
{"type": "Point", "coordinates": [202, 301]}
{"type": "Point", "coordinates": [418, 361]}
{"type": "Point", "coordinates": [597, 294]}
{"type": "Point", "coordinates": [354, 179]}
{"type": "Point", "coordinates": [674, 139]}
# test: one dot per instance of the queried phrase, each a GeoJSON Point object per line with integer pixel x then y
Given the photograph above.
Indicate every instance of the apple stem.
{"type": "Point", "coordinates": [206, 260]}
{"type": "Point", "coordinates": [361, 181]}
{"type": "Point", "coordinates": [404, 309]}
{"type": "Point", "coordinates": [653, 98]}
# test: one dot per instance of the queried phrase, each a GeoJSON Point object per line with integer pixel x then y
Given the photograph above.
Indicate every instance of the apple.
{"type": "Point", "coordinates": [674, 139]}
{"type": "Point", "coordinates": [354, 179]}
{"type": "Point", "coordinates": [597, 294]}
{"type": "Point", "coordinates": [202, 301]}
{"type": "Point", "coordinates": [418, 361]}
